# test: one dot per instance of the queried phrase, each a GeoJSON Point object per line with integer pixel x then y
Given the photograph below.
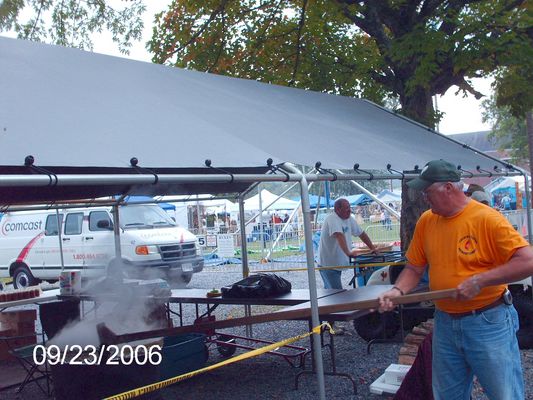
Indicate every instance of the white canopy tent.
{"type": "Point", "coordinates": [80, 125]}
{"type": "Point", "coordinates": [79, 109]}
{"type": "Point", "coordinates": [387, 196]}
{"type": "Point", "coordinates": [262, 200]}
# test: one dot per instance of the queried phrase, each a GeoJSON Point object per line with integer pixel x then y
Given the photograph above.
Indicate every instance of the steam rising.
{"type": "Point", "coordinates": [124, 305]}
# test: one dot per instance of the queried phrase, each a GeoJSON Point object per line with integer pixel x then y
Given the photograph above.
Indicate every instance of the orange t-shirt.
{"type": "Point", "coordinates": [455, 248]}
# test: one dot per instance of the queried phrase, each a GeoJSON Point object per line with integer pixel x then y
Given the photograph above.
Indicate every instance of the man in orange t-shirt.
{"type": "Point", "coordinates": [470, 247]}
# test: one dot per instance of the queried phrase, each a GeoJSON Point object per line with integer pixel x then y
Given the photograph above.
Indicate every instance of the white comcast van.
{"type": "Point", "coordinates": [150, 242]}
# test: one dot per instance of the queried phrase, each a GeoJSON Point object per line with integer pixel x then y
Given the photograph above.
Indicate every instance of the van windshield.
{"type": "Point", "coordinates": [145, 216]}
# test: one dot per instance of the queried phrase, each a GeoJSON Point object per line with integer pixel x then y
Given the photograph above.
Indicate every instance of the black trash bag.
{"type": "Point", "coordinates": [260, 285]}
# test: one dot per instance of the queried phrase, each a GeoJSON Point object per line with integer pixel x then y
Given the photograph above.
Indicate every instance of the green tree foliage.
{"type": "Point", "coordinates": [408, 50]}
{"type": "Point", "coordinates": [508, 131]}
{"type": "Point", "coordinates": [515, 97]}
{"type": "Point", "coordinates": [387, 51]}
{"type": "Point", "coordinates": [72, 22]}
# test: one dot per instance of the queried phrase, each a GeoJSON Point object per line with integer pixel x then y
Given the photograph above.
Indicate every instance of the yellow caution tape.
{"type": "Point", "coordinates": [382, 264]}
{"type": "Point", "coordinates": [254, 353]}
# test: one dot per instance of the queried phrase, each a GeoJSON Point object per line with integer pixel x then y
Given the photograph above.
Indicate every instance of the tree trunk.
{"type": "Point", "coordinates": [413, 205]}
{"type": "Point", "coordinates": [420, 108]}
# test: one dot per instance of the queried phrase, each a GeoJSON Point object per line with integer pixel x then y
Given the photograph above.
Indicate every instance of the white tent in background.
{"type": "Point", "coordinates": [267, 198]}
{"type": "Point", "coordinates": [220, 205]}
{"type": "Point", "coordinates": [387, 196]}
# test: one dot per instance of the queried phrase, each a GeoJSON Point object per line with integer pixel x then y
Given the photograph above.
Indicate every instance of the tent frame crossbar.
{"type": "Point", "coordinates": [166, 179]}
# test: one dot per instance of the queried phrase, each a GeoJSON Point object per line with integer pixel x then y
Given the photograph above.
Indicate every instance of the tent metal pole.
{"type": "Point", "coordinates": [315, 319]}
{"type": "Point", "coordinates": [148, 179]}
{"type": "Point", "coordinates": [261, 227]}
{"type": "Point", "coordinates": [198, 218]}
{"type": "Point", "coordinates": [60, 238]}
{"type": "Point", "coordinates": [279, 197]}
{"type": "Point", "coordinates": [327, 186]}
{"type": "Point", "coordinates": [373, 196]}
{"type": "Point", "coordinates": [317, 208]}
{"type": "Point", "coordinates": [244, 259]}
{"type": "Point", "coordinates": [244, 244]}
{"type": "Point", "coordinates": [528, 208]}
{"type": "Point", "coordinates": [286, 225]}
{"type": "Point", "coordinates": [116, 233]}
{"type": "Point", "coordinates": [249, 190]}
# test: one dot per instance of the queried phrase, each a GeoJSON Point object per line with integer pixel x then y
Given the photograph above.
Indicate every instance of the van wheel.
{"type": "Point", "coordinates": [23, 278]}
{"type": "Point", "coordinates": [186, 277]}
{"type": "Point", "coordinates": [180, 281]}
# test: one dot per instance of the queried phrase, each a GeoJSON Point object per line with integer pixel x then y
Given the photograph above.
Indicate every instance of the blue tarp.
{"type": "Point", "coordinates": [142, 199]}
{"type": "Point", "coordinates": [355, 200]}
{"type": "Point", "coordinates": [313, 201]}
{"type": "Point", "coordinates": [359, 199]}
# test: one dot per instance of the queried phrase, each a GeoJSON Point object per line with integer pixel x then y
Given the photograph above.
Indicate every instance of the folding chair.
{"type": "Point", "coordinates": [54, 317]}
{"type": "Point", "coordinates": [25, 357]}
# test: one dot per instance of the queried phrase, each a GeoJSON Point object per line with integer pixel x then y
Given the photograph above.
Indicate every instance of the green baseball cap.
{"type": "Point", "coordinates": [435, 171]}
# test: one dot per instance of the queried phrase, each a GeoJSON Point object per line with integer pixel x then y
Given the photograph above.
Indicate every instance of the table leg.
{"type": "Point", "coordinates": [333, 372]}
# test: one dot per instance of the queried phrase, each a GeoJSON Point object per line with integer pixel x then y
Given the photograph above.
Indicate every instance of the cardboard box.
{"type": "Point", "coordinates": [395, 373]}
{"type": "Point", "coordinates": [379, 386]}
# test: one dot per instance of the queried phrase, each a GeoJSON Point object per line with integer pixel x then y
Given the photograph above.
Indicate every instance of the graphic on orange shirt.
{"type": "Point", "coordinates": [468, 245]}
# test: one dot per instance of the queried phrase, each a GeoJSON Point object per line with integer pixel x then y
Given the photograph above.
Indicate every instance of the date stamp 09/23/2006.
{"type": "Point", "coordinates": [97, 355]}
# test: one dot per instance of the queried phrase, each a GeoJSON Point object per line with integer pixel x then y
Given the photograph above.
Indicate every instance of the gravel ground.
{"type": "Point", "coordinates": [271, 377]}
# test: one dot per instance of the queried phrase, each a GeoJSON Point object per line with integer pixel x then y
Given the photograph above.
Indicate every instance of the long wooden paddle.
{"type": "Point", "coordinates": [109, 337]}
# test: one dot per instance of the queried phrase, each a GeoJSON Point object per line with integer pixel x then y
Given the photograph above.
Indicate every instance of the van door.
{"type": "Point", "coordinates": [72, 240]}
{"type": "Point", "coordinates": [99, 243]}
{"type": "Point", "coordinates": [51, 256]}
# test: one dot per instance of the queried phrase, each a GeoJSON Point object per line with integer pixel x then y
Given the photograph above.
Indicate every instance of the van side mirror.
{"type": "Point", "coordinates": [104, 224]}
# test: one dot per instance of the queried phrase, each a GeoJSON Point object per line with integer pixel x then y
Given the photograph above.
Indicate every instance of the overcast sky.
{"type": "Point", "coordinates": [461, 114]}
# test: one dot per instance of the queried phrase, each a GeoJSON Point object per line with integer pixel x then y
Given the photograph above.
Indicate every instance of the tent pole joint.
{"type": "Point", "coordinates": [391, 170]}
{"type": "Point", "coordinates": [208, 164]}
{"type": "Point", "coordinates": [275, 168]}
{"type": "Point", "coordinates": [359, 170]}
{"type": "Point", "coordinates": [325, 171]}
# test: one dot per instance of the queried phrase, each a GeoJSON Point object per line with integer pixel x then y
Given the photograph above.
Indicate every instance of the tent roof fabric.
{"type": "Point", "coordinates": [77, 110]}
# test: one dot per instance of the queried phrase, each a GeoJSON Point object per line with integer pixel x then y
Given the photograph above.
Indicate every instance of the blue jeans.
{"type": "Point", "coordinates": [483, 345]}
{"type": "Point", "coordinates": [331, 278]}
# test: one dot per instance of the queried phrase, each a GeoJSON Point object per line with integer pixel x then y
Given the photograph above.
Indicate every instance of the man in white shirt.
{"type": "Point", "coordinates": [335, 243]}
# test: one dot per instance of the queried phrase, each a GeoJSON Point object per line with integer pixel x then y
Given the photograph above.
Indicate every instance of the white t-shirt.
{"type": "Point", "coordinates": [330, 253]}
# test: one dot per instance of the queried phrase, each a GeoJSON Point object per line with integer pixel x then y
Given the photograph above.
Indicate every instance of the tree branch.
{"type": "Point", "coordinates": [428, 8]}
{"type": "Point", "coordinates": [204, 26]}
{"type": "Point", "coordinates": [220, 48]}
{"type": "Point", "coordinates": [30, 35]}
{"type": "Point", "coordinates": [465, 86]}
{"type": "Point", "coordinates": [371, 24]}
{"type": "Point", "coordinates": [298, 44]}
